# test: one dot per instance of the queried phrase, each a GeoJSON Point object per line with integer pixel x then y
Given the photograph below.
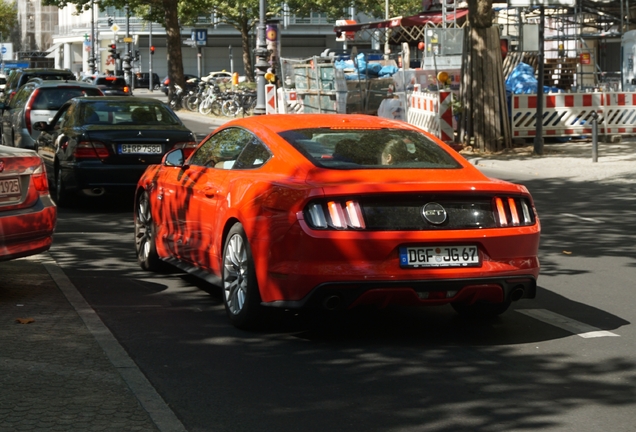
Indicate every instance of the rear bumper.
{"type": "Point", "coordinates": [88, 175]}
{"type": "Point", "coordinates": [28, 231]}
{"type": "Point", "coordinates": [344, 295]}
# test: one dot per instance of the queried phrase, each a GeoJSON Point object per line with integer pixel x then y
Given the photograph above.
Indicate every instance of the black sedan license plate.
{"type": "Point", "coordinates": [439, 256]}
{"type": "Point", "coordinates": [140, 149]}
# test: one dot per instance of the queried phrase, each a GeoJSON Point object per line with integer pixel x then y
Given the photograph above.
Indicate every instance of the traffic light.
{"type": "Point", "coordinates": [112, 49]}
{"type": "Point", "coordinates": [110, 21]}
{"type": "Point", "coordinates": [152, 50]}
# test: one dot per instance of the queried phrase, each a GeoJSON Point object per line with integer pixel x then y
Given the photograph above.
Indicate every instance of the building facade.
{"type": "Point", "coordinates": [77, 34]}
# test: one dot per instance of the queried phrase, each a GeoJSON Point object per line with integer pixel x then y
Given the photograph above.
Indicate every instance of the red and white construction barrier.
{"type": "Point", "coordinates": [433, 112]}
{"type": "Point", "coordinates": [571, 114]}
{"type": "Point", "coordinates": [270, 99]}
{"type": "Point", "coordinates": [289, 102]}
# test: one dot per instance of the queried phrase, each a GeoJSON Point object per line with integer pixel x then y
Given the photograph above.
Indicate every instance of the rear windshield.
{"type": "Point", "coordinates": [111, 81]}
{"type": "Point", "coordinates": [51, 77]}
{"type": "Point", "coordinates": [3, 80]}
{"type": "Point", "coordinates": [126, 113]}
{"type": "Point", "coordinates": [362, 149]}
{"type": "Point", "coordinates": [52, 98]}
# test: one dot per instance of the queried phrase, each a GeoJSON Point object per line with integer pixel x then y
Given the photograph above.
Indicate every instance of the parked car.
{"type": "Point", "coordinates": [20, 77]}
{"type": "Point", "coordinates": [100, 144]}
{"type": "Point", "coordinates": [36, 101]}
{"type": "Point", "coordinates": [113, 85]}
{"type": "Point", "coordinates": [142, 80]}
{"type": "Point", "coordinates": [192, 82]}
{"type": "Point", "coordinates": [27, 213]}
{"type": "Point", "coordinates": [334, 211]}
{"type": "Point", "coordinates": [219, 76]}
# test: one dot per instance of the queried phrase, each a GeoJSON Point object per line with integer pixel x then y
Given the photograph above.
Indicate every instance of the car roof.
{"type": "Point", "coordinates": [126, 99]}
{"type": "Point", "coordinates": [283, 122]}
{"type": "Point", "coordinates": [61, 83]}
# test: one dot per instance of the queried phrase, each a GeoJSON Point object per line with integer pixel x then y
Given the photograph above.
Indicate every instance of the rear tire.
{"type": "Point", "coordinates": [62, 195]}
{"type": "Point", "coordinates": [241, 295]}
{"type": "Point", "coordinates": [145, 234]}
{"type": "Point", "coordinates": [481, 310]}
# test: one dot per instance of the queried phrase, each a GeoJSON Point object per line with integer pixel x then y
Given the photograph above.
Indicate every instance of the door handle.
{"type": "Point", "coordinates": [209, 192]}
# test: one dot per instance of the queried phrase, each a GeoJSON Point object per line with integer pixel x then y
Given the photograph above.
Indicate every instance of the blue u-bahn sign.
{"type": "Point", "coordinates": [200, 36]}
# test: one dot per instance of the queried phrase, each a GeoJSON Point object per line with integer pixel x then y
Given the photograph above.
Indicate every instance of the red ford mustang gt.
{"type": "Point", "coordinates": [335, 211]}
{"type": "Point", "coordinates": [27, 212]}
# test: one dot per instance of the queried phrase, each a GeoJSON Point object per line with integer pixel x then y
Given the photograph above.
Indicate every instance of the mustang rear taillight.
{"type": "Point", "coordinates": [39, 180]}
{"type": "Point", "coordinates": [512, 212]}
{"type": "Point", "coordinates": [339, 215]}
{"type": "Point", "coordinates": [90, 150]}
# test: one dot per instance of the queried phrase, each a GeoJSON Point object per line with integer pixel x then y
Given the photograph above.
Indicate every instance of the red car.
{"type": "Point", "coordinates": [335, 211]}
{"type": "Point", "coordinates": [27, 212]}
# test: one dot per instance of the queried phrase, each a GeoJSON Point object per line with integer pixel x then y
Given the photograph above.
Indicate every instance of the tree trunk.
{"type": "Point", "coordinates": [173, 42]}
{"type": "Point", "coordinates": [247, 52]}
{"type": "Point", "coordinates": [485, 122]}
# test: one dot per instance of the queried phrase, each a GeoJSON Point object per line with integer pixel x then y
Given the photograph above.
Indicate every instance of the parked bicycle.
{"type": "Point", "coordinates": [175, 99]}
{"type": "Point", "coordinates": [241, 102]}
{"type": "Point", "coordinates": [211, 101]}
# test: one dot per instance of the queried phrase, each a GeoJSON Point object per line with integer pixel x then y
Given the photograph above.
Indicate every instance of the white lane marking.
{"type": "Point", "coordinates": [581, 218]}
{"type": "Point", "coordinates": [565, 323]}
{"type": "Point", "coordinates": [160, 413]}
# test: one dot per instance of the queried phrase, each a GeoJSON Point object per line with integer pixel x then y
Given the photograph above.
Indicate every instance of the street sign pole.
{"type": "Point", "coordinates": [538, 138]}
{"type": "Point", "coordinates": [151, 83]}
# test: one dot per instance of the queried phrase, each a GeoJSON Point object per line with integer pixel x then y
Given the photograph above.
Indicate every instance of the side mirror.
{"type": "Point", "coordinates": [174, 158]}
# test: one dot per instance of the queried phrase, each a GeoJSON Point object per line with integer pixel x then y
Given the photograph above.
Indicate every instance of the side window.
{"type": "Point", "coordinates": [254, 155]}
{"type": "Point", "coordinates": [63, 117]}
{"type": "Point", "coordinates": [20, 98]}
{"type": "Point", "coordinates": [221, 149]}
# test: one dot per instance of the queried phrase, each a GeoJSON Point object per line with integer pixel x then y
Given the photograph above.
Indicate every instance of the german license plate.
{"type": "Point", "coordinates": [439, 256]}
{"type": "Point", "coordinates": [140, 149]}
{"type": "Point", "coordinates": [10, 189]}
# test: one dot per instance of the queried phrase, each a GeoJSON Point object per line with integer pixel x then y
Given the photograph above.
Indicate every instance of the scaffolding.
{"type": "Point", "coordinates": [582, 43]}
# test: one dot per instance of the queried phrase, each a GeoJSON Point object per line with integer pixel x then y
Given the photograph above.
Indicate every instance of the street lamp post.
{"type": "Point", "coordinates": [127, 55]}
{"type": "Point", "coordinates": [91, 59]}
{"type": "Point", "coordinates": [261, 60]}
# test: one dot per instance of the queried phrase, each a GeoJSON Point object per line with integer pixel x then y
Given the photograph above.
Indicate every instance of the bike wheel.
{"type": "Point", "coordinates": [205, 107]}
{"type": "Point", "coordinates": [192, 103]}
{"type": "Point", "coordinates": [215, 108]}
{"type": "Point", "coordinates": [230, 108]}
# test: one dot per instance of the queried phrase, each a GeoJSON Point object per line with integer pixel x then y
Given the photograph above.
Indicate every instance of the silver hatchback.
{"type": "Point", "coordinates": [37, 101]}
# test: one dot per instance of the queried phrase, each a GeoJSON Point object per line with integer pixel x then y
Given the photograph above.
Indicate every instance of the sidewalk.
{"type": "Point", "coordinates": [60, 367]}
{"type": "Point", "coordinates": [572, 160]}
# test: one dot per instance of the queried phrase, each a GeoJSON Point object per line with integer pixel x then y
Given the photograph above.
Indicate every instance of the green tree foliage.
{"type": "Point", "coordinates": [162, 11]}
{"type": "Point", "coordinates": [8, 18]}
{"type": "Point", "coordinates": [339, 9]}
{"type": "Point", "coordinates": [243, 15]}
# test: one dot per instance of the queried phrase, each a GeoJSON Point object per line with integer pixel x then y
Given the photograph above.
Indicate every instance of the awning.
{"type": "Point", "coordinates": [411, 21]}
{"type": "Point", "coordinates": [53, 48]}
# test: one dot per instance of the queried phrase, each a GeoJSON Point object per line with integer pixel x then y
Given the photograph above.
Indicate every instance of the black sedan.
{"type": "Point", "coordinates": [99, 144]}
{"type": "Point", "coordinates": [112, 85]}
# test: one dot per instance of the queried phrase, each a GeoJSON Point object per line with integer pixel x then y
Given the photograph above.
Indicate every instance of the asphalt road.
{"type": "Point", "coordinates": [563, 362]}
